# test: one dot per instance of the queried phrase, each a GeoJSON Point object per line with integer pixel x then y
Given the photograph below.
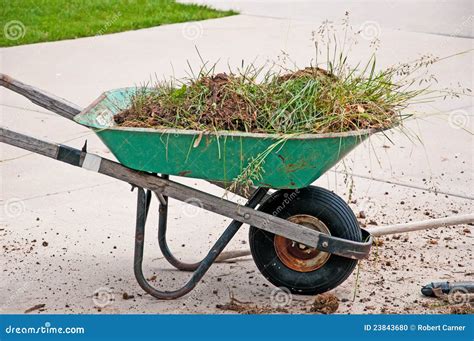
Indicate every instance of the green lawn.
{"type": "Point", "coordinates": [32, 21]}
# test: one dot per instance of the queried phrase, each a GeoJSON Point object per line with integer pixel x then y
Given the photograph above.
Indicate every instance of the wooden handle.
{"type": "Point", "coordinates": [45, 100]}
{"type": "Point", "coordinates": [422, 225]}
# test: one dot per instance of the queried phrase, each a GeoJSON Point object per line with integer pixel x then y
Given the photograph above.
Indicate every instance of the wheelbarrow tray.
{"type": "Point", "coordinates": [293, 162]}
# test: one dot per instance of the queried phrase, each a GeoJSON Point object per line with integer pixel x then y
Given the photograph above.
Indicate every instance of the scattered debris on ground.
{"type": "Point", "coordinates": [249, 308]}
{"type": "Point", "coordinates": [464, 309]}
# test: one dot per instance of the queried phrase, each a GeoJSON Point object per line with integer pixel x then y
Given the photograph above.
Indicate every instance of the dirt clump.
{"type": "Point", "coordinates": [325, 304]}
{"type": "Point", "coordinates": [233, 113]}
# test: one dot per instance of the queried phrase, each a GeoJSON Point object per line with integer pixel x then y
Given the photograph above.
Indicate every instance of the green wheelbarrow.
{"type": "Point", "coordinates": [302, 237]}
{"type": "Point", "coordinates": [289, 163]}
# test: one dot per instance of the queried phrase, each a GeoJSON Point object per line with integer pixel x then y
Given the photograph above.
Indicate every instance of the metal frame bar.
{"type": "Point", "coordinates": [162, 243]}
{"type": "Point", "coordinates": [163, 226]}
{"type": "Point", "coordinates": [201, 268]}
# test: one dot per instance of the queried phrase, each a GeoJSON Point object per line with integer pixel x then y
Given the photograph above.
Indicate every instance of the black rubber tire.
{"type": "Point", "coordinates": [333, 212]}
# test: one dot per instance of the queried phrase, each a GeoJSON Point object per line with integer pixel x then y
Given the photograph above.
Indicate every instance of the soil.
{"type": "Point", "coordinates": [233, 113]}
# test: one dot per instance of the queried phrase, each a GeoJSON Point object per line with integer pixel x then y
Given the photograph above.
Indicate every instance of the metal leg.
{"type": "Point", "coordinates": [162, 224]}
{"type": "Point", "coordinates": [148, 201]}
{"type": "Point", "coordinates": [203, 266]}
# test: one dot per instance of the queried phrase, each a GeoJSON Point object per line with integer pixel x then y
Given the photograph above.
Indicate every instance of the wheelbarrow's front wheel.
{"type": "Point", "coordinates": [302, 269]}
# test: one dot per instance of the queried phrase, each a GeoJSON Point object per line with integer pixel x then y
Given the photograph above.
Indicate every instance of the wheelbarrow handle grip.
{"type": "Point", "coordinates": [45, 100]}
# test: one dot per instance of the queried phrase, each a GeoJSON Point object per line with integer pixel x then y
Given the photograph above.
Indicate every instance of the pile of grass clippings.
{"type": "Point", "coordinates": [336, 97]}
{"type": "Point", "coordinates": [311, 100]}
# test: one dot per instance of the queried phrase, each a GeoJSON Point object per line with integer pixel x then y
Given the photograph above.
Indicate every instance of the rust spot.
{"type": "Point", "coordinates": [297, 256]}
{"type": "Point", "coordinates": [293, 167]}
{"type": "Point", "coordinates": [184, 173]}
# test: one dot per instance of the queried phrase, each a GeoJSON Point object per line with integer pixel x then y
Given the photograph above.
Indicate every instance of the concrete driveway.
{"type": "Point", "coordinates": [67, 235]}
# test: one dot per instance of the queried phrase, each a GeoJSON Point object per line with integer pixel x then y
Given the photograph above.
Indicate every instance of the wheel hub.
{"type": "Point", "coordinates": [297, 256]}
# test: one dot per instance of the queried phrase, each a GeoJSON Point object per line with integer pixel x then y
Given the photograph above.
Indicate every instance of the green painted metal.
{"type": "Point", "coordinates": [292, 162]}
